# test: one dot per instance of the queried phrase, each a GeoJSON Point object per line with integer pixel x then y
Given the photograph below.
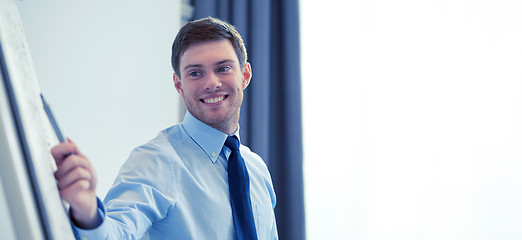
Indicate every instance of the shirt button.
{"type": "Point", "coordinates": [84, 238]}
{"type": "Point", "coordinates": [213, 154]}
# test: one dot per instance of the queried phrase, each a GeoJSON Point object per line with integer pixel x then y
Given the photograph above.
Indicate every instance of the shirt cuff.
{"type": "Point", "coordinates": [98, 232]}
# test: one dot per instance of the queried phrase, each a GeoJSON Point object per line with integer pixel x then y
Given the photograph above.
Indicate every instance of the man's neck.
{"type": "Point", "coordinates": [228, 127]}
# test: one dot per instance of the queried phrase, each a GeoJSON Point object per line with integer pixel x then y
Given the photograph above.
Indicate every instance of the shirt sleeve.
{"type": "Point", "coordinates": [94, 233]}
{"type": "Point", "coordinates": [142, 194]}
{"type": "Point", "coordinates": [274, 234]}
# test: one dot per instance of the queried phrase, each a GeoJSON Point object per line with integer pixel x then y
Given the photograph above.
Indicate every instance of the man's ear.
{"type": "Point", "coordinates": [177, 84]}
{"type": "Point", "coordinates": [247, 75]}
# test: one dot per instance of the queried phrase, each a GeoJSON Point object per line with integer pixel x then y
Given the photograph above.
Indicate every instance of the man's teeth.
{"type": "Point", "coordinates": [214, 100]}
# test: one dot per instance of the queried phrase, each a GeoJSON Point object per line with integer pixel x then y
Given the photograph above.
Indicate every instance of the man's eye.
{"type": "Point", "coordinates": [223, 69]}
{"type": "Point", "coordinates": [194, 74]}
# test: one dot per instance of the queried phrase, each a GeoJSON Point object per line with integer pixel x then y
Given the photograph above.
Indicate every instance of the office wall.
{"type": "Point", "coordinates": [104, 67]}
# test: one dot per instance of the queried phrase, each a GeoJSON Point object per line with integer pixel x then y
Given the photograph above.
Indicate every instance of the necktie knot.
{"type": "Point", "coordinates": [232, 142]}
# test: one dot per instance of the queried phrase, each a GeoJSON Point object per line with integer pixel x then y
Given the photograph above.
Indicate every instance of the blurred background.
{"type": "Point", "coordinates": [412, 115]}
{"type": "Point", "coordinates": [411, 110]}
{"type": "Point", "coordinates": [104, 68]}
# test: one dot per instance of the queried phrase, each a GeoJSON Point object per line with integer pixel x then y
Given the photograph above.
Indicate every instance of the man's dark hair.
{"type": "Point", "coordinates": [202, 30]}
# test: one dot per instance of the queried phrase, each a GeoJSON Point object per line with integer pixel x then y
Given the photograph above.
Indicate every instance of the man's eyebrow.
{"type": "Point", "coordinates": [224, 61]}
{"type": "Point", "coordinates": [201, 65]}
{"type": "Point", "coordinates": [192, 66]}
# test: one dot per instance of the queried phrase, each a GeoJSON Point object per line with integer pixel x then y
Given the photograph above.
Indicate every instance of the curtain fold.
{"type": "Point", "coordinates": [271, 112]}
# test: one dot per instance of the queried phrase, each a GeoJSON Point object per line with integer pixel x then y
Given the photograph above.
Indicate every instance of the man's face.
{"type": "Point", "coordinates": [211, 82]}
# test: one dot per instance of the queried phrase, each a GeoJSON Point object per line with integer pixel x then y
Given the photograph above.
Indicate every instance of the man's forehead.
{"type": "Point", "coordinates": [208, 53]}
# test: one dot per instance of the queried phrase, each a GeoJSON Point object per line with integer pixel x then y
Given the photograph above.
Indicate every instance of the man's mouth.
{"type": "Point", "coordinates": [214, 99]}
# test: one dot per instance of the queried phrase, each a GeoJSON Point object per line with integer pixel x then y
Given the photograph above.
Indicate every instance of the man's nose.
{"type": "Point", "coordinates": [213, 82]}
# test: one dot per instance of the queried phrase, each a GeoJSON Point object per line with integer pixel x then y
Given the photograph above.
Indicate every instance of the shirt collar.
{"type": "Point", "coordinates": [208, 138]}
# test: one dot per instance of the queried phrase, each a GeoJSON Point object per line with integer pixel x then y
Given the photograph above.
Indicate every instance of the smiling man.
{"type": "Point", "coordinates": [194, 180]}
{"type": "Point", "coordinates": [213, 83]}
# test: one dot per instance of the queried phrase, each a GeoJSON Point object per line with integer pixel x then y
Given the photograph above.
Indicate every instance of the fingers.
{"type": "Point", "coordinates": [72, 192]}
{"type": "Point", "coordinates": [63, 150]}
{"type": "Point", "coordinates": [78, 174]}
{"type": "Point", "coordinates": [72, 168]}
{"type": "Point", "coordinates": [69, 163]}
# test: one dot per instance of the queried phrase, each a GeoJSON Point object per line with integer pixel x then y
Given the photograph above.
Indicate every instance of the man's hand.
{"type": "Point", "coordinates": [77, 184]}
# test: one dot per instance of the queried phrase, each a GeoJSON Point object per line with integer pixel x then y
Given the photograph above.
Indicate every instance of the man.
{"type": "Point", "coordinates": [184, 183]}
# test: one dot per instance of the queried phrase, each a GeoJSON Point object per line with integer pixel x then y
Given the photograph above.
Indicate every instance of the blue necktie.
{"type": "Point", "coordinates": [239, 186]}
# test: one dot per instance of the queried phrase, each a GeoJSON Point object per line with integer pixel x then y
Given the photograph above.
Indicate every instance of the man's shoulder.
{"type": "Point", "coordinates": [166, 138]}
{"type": "Point", "coordinates": [163, 144]}
{"type": "Point", "coordinates": [253, 158]}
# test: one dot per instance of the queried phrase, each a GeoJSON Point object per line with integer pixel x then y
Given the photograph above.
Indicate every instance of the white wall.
{"type": "Point", "coordinates": [104, 67]}
{"type": "Point", "coordinates": [412, 119]}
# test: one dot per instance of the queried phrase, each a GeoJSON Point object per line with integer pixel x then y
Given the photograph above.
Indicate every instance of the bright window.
{"type": "Point", "coordinates": [412, 114]}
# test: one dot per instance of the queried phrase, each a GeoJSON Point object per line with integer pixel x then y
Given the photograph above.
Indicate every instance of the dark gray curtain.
{"type": "Point", "coordinates": [271, 111]}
